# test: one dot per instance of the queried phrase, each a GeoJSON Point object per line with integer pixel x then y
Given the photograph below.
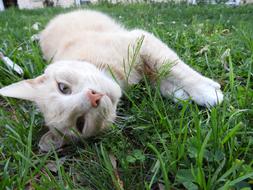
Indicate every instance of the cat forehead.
{"type": "Point", "coordinates": [70, 70]}
{"type": "Point", "coordinates": [70, 66]}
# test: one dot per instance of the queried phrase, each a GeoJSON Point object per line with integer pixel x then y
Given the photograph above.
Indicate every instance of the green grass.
{"type": "Point", "coordinates": [154, 141]}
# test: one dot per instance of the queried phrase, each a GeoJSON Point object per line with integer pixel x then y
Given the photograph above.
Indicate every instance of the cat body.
{"type": "Point", "coordinates": [93, 59]}
{"type": "Point", "coordinates": [93, 37]}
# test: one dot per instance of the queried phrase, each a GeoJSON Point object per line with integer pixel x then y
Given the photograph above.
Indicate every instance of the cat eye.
{"type": "Point", "coordinates": [65, 89]}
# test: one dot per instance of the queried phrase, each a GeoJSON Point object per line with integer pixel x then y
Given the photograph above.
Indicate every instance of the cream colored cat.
{"type": "Point", "coordinates": [93, 58]}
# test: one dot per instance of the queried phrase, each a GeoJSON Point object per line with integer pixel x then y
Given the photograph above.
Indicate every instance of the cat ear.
{"type": "Point", "coordinates": [26, 89]}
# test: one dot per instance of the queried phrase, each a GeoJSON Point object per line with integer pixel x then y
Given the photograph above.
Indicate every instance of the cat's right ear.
{"type": "Point", "coordinates": [26, 89]}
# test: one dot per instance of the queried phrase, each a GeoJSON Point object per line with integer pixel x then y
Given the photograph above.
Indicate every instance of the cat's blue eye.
{"type": "Point", "coordinates": [64, 89]}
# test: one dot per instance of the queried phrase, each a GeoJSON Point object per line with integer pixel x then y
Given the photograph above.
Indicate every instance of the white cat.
{"type": "Point", "coordinates": [93, 58]}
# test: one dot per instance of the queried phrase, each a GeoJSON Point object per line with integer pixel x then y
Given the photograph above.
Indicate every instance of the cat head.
{"type": "Point", "coordinates": [75, 97]}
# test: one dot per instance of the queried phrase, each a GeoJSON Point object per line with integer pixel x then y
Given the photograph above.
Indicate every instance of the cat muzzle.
{"type": "Point", "coordinates": [94, 97]}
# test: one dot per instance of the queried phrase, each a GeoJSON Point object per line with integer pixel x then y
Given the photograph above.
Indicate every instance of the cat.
{"type": "Point", "coordinates": [92, 59]}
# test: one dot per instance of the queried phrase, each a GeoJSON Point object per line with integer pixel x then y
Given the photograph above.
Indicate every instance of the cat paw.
{"type": "Point", "coordinates": [50, 141]}
{"type": "Point", "coordinates": [205, 92]}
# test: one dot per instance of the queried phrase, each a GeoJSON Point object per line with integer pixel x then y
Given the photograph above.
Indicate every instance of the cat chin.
{"type": "Point", "coordinates": [85, 126]}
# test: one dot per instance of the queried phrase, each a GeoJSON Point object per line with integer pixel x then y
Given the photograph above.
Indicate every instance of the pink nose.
{"type": "Point", "coordinates": [94, 97]}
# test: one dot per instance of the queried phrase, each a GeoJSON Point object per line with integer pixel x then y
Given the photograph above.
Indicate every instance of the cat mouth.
{"type": "Point", "coordinates": [80, 122]}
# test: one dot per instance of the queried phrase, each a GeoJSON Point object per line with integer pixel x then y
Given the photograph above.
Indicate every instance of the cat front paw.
{"type": "Point", "coordinates": [205, 92]}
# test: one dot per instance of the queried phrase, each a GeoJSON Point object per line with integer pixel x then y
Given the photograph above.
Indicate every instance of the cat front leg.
{"type": "Point", "coordinates": [181, 82]}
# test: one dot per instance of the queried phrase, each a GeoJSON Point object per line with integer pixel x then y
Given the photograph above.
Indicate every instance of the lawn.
{"type": "Point", "coordinates": [155, 143]}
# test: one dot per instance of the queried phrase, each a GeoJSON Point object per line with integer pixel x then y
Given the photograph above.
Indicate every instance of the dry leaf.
{"type": "Point", "coordinates": [224, 57]}
{"type": "Point", "coordinates": [9, 63]}
{"type": "Point", "coordinates": [161, 186]}
{"type": "Point", "coordinates": [35, 37]}
{"type": "Point", "coordinates": [225, 31]}
{"type": "Point", "coordinates": [202, 50]}
{"type": "Point", "coordinates": [29, 186]}
{"type": "Point", "coordinates": [36, 25]}
{"type": "Point", "coordinates": [113, 161]}
{"type": "Point", "coordinates": [114, 165]}
{"type": "Point", "coordinates": [52, 165]}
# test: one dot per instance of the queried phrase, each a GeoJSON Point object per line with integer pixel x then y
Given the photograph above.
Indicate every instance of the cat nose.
{"type": "Point", "coordinates": [94, 97]}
